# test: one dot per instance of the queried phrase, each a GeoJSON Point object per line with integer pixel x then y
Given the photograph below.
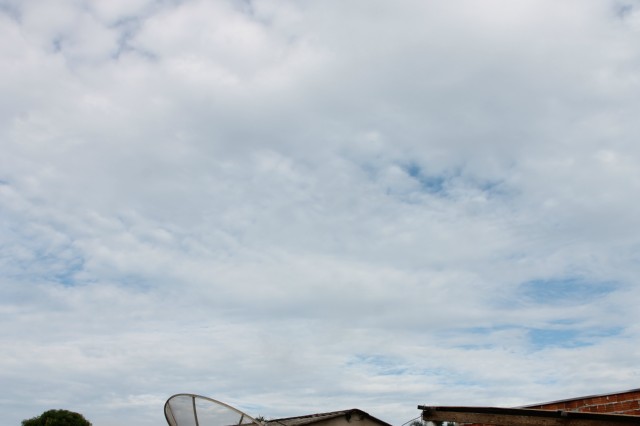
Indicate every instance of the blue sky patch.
{"type": "Point", "coordinates": [623, 10]}
{"type": "Point", "coordinates": [569, 338]}
{"type": "Point", "coordinates": [67, 276]}
{"type": "Point", "coordinates": [382, 365]}
{"type": "Point", "coordinates": [564, 291]}
{"type": "Point", "coordinates": [541, 338]}
{"type": "Point", "coordinates": [429, 183]}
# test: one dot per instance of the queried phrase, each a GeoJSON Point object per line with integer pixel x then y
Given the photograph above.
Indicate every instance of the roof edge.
{"type": "Point", "coordinates": [578, 398]}
{"type": "Point", "coordinates": [331, 415]}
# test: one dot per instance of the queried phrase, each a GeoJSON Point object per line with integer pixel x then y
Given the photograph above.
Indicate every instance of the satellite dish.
{"type": "Point", "coordinates": [185, 409]}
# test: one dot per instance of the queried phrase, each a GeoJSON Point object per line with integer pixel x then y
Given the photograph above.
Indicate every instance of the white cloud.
{"type": "Point", "coordinates": [303, 207]}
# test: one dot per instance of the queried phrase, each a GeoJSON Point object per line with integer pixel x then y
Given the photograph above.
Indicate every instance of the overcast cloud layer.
{"type": "Point", "coordinates": [303, 206]}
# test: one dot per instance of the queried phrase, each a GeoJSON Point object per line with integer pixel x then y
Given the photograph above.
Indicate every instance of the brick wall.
{"type": "Point", "coordinates": [617, 403]}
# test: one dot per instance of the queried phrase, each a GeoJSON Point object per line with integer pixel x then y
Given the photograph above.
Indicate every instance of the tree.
{"type": "Point", "coordinates": [57, 418]}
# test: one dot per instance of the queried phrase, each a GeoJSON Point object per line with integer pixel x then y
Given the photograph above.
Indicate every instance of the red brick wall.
{"type": "Point", "coordinates": [619, 403]}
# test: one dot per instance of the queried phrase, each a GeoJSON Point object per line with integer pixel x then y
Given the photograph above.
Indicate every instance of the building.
{"type": "Point", "coordinates": [613, 409]}
{"type": "Point", "coordinates": [626, 402]}
{"type": "Point", "coordinates": [352, 417]}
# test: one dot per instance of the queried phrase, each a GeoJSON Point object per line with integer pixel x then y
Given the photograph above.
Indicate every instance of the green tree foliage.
{"type": "Point", "coordinates": [57, 418]}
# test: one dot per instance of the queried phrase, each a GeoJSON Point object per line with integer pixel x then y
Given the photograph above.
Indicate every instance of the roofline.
{"type": "Point", "coordinates": [333, 414]}
{"type": "Point", "coordinates": [328, 413]}
{"type": "Point", "coordinates": [578, 398]}
{"type": "Point", "coordinates": [509, 416]}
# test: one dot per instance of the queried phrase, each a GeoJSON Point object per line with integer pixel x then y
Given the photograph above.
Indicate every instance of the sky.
{"type": "Point", "coordinates": [306, 206]}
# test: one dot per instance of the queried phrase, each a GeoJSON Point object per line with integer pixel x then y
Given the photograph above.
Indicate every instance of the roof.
{"type": "Point", "coordinates": [580, 398]}
{"type": "Point", "coordinates": [320, 417]}
{"type": "Point", "coordinates": [524, 417]}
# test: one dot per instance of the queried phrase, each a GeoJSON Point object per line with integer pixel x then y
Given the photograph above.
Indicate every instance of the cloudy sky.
{"type": "Point", "coordinates": [303, 206]}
